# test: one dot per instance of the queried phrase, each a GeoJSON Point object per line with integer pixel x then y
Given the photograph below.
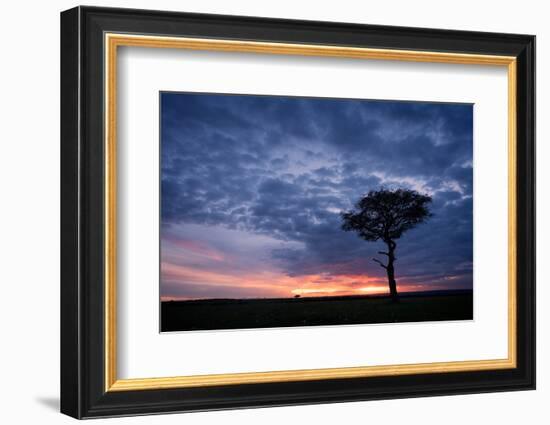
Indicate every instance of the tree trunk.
{"type": "Point", "coordinates": [390, 270]}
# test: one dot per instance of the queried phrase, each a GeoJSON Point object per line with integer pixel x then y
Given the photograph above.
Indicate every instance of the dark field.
{"type": "Point", "coordinates": [280, 312]}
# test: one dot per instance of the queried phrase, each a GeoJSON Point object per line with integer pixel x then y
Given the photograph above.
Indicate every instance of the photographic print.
{"type": "Point", "coordinates": [282, 211]}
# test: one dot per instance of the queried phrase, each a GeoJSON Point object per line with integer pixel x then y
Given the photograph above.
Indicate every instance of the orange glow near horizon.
{"type": "Point", "coordinates": [272, 284]}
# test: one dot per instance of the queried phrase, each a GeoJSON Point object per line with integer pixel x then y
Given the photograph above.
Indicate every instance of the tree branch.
{"type": "Point", "coordinates": [379, 262]}
{"type": "Point", "coordinates": [384, 253]}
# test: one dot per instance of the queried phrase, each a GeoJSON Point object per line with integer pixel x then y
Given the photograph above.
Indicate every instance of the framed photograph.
{"type": "Point", "coordinates": [261, 212]}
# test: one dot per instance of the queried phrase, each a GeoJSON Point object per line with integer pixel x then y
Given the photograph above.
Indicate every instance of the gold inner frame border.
{"type": "Point", "coordinates": [111, 43]}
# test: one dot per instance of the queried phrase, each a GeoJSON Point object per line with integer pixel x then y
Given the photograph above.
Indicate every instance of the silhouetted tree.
{"type": "Point", "coordinates": [385, 215]}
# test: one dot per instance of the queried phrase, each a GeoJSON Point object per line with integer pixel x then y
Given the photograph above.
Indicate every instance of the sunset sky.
{"type": "Point", "coordinates": [252, 188]}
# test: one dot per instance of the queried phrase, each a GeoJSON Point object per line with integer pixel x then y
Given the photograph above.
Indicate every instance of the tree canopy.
{"type": "Point", "coordinates": [386, 214]}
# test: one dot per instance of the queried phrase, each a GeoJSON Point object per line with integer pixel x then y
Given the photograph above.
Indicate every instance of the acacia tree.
{"type": "Point", "coordinates": [385, 215]}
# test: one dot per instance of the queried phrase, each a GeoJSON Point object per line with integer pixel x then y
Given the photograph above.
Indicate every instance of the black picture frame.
{"type": "Point", "coordinates": [83, 393]}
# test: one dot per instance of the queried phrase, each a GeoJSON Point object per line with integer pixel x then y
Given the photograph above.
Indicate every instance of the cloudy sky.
{"type": "Point", "coordinates": [252, 188]}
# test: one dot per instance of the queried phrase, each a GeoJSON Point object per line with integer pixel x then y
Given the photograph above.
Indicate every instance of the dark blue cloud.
{"type": "Point", "coordinates": [285, 167]}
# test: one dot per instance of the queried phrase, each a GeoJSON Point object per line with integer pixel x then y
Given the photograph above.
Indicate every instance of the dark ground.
{"type": "Point", "coordinates": [313, 311]}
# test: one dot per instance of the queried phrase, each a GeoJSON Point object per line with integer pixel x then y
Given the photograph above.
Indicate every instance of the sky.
{"type": "Point", "coordinates": [252, 188]}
